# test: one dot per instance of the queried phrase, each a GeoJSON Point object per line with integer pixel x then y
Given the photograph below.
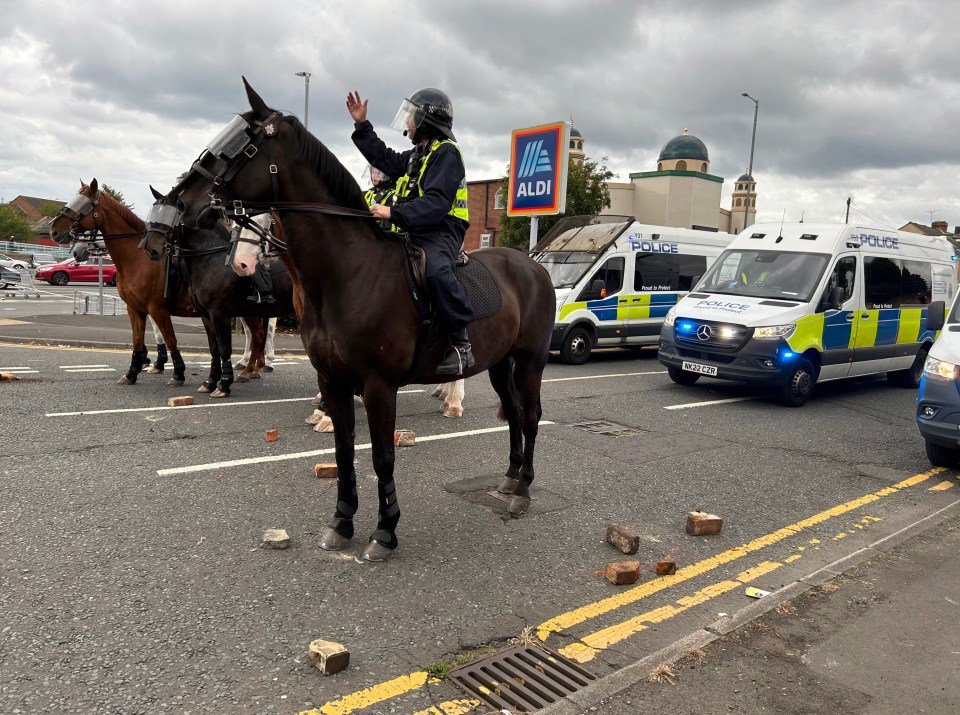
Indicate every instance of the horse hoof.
{"type": "Point", "coordinates": [175, 382]}
{"type": "Point", "coordinates": [254, 375]}
{"type": "Point", "coordinates": [315, 417]}
{"type": "Point", "coordinates": [126, 381]}
{"type": "Point", "coordinates": [219, 393]}
{"type": "Point", "coordinates": [324, 425]}
{"type": "Point", "coordinates": [508, 485]}
{"type": "Point", "coordinates": [204, 389]}
{"type": "Point", "coordinates": [451, 411]}
{"type": "Point", "coordinates": [519, 505]}
{"type": "Point", "coordinates": [332, 541]}
{"type": "Point", "coordinates": [377, 552]}
{"type": "Point", "coordinates": [242, 378]}
{"type": "Point", "coordinates": [155, 371]}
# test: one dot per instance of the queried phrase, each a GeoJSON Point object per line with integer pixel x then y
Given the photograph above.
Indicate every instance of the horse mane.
{"type": "Point", "coordinates": [340, 182]}
{"type": "Point", "coordinates": [123, 210]}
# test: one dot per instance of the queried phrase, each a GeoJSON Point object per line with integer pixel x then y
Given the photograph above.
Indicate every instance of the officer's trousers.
{"type": "Point", "coordinates": [453, 307]}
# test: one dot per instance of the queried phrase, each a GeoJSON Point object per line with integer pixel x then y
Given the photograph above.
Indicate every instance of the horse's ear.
{"type": "Point", "coordinates": [94, 190]}
{"type": "Point", "coordinates": [258, 106]}
{"type": "Point", "coordinates": [156, 194]}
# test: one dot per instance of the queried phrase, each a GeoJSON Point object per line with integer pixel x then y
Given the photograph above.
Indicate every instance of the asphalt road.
{"type": "Point", "coordinates": [132, 581]}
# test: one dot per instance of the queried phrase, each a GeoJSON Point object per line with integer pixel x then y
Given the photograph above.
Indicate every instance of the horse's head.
{"type": "Point", "coordinates": [162, 223]}
{"type": "Point", "coordinates": [248, 244]}
{"type": "Point", "coordinates": [233, 166]}
{"type": "Point", "coordinates": [78, 216]}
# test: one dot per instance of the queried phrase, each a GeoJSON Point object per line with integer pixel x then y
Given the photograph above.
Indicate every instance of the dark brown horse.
{"type": "Point", "coordinates": [360, 325]}
{"type": "Point", "coordinates": [139, 281]}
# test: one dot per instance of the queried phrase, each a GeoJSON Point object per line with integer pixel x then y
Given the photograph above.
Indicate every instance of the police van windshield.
{"type": "Point", "coordinates": [765, 274]}
{"type": "Point", "coordinates": [566, 268]}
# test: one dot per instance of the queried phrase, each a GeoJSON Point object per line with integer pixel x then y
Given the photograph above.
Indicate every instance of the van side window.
{"type": "Point", "coordinates": [667, 271]}
{"type": "Point", "coordinates": [611, 273]}
{"type": "Point", "coordinates": [844, 275]}
{"type": "Point", "coordinates": [895, 282]}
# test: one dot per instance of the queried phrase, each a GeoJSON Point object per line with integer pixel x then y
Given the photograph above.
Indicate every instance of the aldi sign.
{"type": "Point", "coordinates": [538, 170]}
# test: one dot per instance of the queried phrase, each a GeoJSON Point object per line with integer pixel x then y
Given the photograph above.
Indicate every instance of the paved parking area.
{"type": "Point", "coordinates": [135, 583]}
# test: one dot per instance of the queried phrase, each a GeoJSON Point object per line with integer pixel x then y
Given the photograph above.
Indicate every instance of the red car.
{"type": "Point", "coordinates": [70, 271]}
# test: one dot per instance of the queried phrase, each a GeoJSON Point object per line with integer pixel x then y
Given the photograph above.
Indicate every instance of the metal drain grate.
{"type": "Point", "coordinates": [607, 428]}
{"type": "Point", "coordinates": [521, 679]}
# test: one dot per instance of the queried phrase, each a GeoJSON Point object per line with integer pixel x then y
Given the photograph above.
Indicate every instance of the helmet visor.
{"type": "Point", "coordinates": [408, 117]}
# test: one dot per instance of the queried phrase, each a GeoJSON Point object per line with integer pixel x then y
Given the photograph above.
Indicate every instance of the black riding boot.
{"type": "Point", "coordinates": [459, 357]}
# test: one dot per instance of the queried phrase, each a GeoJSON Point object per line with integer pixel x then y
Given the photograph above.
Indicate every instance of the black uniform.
{"type": "Point", "coordinates": [427, 218]}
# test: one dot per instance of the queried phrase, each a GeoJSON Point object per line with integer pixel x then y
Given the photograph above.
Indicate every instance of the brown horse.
{"type": "Point", "coordinates": [140, 281]}
{"type": "Point", "coordinates": [361, 327]}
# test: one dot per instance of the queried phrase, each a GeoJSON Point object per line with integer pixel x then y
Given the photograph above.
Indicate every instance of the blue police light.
{"type": "Point", "coordinates": [686, 327]}
{"type": "Point", "coordinates": [787, 355]}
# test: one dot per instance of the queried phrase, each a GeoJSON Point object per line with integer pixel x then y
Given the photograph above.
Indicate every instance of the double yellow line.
{"type": "Point", "coordinates": [587, 647]}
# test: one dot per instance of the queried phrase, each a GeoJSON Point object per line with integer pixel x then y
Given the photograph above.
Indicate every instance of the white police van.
{"type": "Point", "coordinates": [615, 279]}
{"type": "Point", "coordinates": [938, 401]}
{"type": "Point", "coordinates": [789, 305]}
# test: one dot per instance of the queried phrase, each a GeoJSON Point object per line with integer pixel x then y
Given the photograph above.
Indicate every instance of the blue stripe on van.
{"type": "Point", "coordinates": [836, 331]}
{"type": "Point", "coordinates": [663, 299]}
{"type": "Point", "coordinates": [888, 325]}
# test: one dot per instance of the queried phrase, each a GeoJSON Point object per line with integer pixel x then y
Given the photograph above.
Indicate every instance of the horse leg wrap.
{"type": "Point", "coordinates": [347, 503]}
{"type": "Point", "coordinates": [136, 365]}
{"type": "Point", "coordinates": [179, 367]}
{"type": "Point", "coordinates": [161, 357]}
{"type": "Point", "coordinates": [389, 513]}
{"type": "Point", "coordinates": [385, 538]}
{"type": "Point", "coordinates": [226, 379]}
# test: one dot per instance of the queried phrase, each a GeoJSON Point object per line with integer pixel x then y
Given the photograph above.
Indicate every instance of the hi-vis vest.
{"type": "Point", "coordinates": [459, 208]}
{"type": "Point", "coordinates": [385, 197]}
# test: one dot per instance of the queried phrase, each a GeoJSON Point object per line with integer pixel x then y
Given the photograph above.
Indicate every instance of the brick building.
{"type": "Point", "coordinates": [486, 201]}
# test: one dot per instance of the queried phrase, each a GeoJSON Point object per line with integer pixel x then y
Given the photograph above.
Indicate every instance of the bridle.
{"type": "Point", "coordinates": [78, 209]}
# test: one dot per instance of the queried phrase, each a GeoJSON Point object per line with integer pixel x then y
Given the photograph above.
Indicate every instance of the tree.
{"type": "Point", "coordinates": [587, 195]}
{"type": "Point", "coordinates": [13, 226]}
{"type": "Point", "coordinates": [47, 208]}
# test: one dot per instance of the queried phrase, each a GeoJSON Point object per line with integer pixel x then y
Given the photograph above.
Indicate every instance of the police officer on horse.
{"type": "Point", "coordinates": [430, 204]}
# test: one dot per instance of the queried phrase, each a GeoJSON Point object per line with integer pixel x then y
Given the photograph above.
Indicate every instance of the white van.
{"type": "Point", "coordinates": [792, 304]}
{"type": "Point", "coordinates": [615, 279]}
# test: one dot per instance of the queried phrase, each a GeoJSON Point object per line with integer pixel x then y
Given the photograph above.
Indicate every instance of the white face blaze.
{"type": "Point", "coordinates": [248, 248]}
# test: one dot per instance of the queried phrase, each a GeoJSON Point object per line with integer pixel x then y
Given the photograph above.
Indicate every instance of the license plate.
{"type": "Point", "coordinates": [700, 369]}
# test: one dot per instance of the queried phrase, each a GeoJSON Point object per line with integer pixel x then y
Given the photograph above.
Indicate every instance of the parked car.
{"type": "Point", "coordinates": [43, 259]}
{"type": "Point", "coordinates": [938, 400]}
{"type": "Point", "coordinates": [71, 271]}
{"type": "Point", "coordinates": [15, 264]}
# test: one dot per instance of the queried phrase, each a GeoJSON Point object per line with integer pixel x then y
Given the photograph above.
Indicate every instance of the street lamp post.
{"type": "Point", "coordinates": [306, 98]}
{"type": "Point", "coordinates": [753, 140]}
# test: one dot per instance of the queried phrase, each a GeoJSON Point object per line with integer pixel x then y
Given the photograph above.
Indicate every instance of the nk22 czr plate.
{"type": "Point", "coordinates": [700, 369]}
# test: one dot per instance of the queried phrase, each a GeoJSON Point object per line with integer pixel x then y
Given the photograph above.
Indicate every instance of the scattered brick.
{"type": "Point", "coordinates": [666, 567]}
{"type": "Point", "coordinates": [272, 435]}
{"type": "Point", "coordinates": [627, 540]}
{"type": "Point", "coordinates": [700, 523]}
{"type": "Point", "coordinates": [325, 471]}
{"type": "Point", "coordinates": [8, 377]}
{"type": "Point", "coordinates": [620, 573]}
{"type": "Point", "coordinates": [179, 401]}
{"type": "Point", "coordinates": [275, 539]}
{"type": "Point", "coordinates": [329, 657]}
{"type": "Point", "coordinates": [404, 438]}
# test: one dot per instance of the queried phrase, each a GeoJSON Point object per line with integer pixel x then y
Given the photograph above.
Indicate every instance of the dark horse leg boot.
{"type": "Point", "coordinates": [161, 360]}
{"type": "Point", "coordinates": [459, 356]}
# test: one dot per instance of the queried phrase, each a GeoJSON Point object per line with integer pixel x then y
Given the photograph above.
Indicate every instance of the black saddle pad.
{"type": "Point", "coordinates": [481, 289]}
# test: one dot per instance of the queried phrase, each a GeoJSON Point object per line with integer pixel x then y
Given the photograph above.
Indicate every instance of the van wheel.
{"type": "Point", "coordinates": [941, 456]}
{"type": "Point", "coordinates": [799, 385]}
{"type": "Point", "coordinates": [910, 377]}
{"type": "Point", "coordinates": [576, 347]}
{"type": "Point", "coordinates": [682, 377]}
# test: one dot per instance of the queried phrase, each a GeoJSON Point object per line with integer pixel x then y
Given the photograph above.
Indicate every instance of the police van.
{"type": "Point", "coordinates": [938, 400]}
{"type": "Point", "coordinates": [789, 305]}
{"type": "Point", "coordinates": [615, 279]}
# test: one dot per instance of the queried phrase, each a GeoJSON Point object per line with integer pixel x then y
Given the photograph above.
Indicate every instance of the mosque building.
{"type": "Point", "coordinates": [681, 192]}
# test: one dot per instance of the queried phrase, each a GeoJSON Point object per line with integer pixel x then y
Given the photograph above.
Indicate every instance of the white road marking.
{"type": "Point", "coordinates": [598, 377]}
{"type": "Point", "coordinates": [317, 452]}
{"type": "Point", "coordinates": [158, 408]}
{"type": "Point", "coordinates": [687, 405]}
{"type": "Point", "coordinates": [18, 370]}
{"type": "Point", "coordinates": [92, 369]}
{"type": "Point", "coordinates": [71, 367]}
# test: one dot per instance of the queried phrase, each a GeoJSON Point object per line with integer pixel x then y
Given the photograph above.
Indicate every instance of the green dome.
{"type": "Point", "coordinates": [685, 146]}
{"type": "Point", "coordinates": [574, 132]}
{"type": "Point", "coordinates": [745, 177]}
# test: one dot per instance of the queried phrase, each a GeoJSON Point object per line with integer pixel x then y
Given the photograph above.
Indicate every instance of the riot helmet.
{"type": "Point", "coordinates": [426, 106]}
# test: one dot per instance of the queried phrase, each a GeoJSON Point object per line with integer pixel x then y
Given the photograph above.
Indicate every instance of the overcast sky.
{"type": "Point", "coordinates": [857, 99]}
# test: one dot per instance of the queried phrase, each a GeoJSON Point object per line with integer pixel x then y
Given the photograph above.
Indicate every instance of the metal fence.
{"type": "Point", "coordinates": [33, 248]}
{"type": "Point", "coordinates": [85, 303]}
